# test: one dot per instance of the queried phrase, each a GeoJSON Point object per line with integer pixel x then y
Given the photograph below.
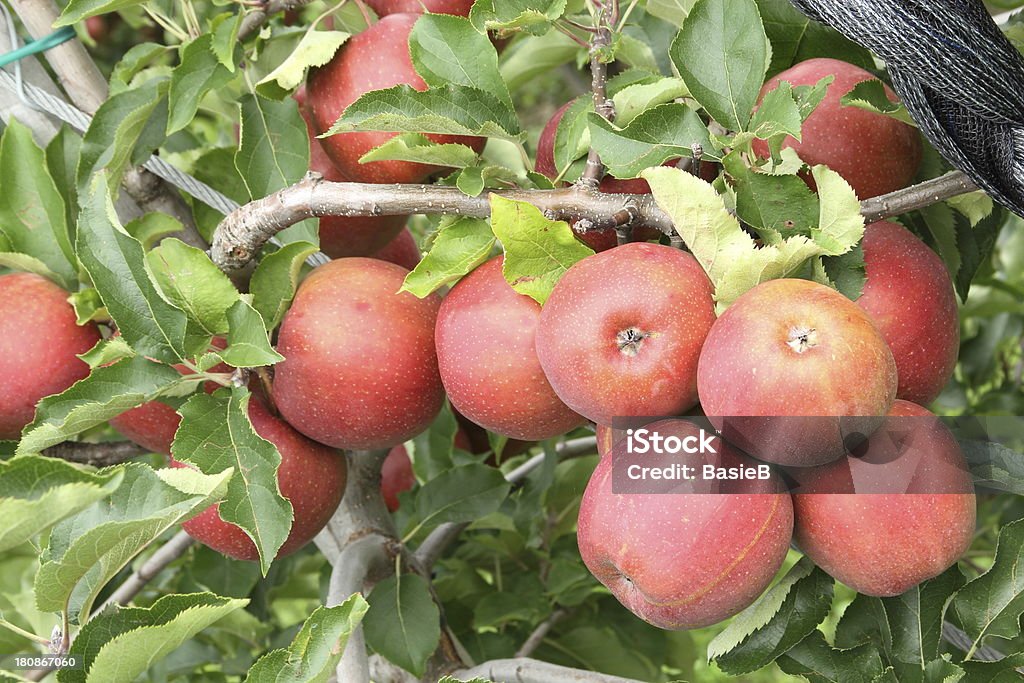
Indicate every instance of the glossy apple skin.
{"type": "Point", "coordinates": [876, 154]}
{"type": "Point", "coordinates": [39, 342]}
{"type": "Point", "coordinates": [311, 476]}
{"type": "Point", "coordinates": [755, 372]}
{"type": "Point", "coordinates": [360, 370]}
{"type": "Point", "coordinates": [909, 296]}
{"type": "Point", "coordinates": [375, 59]}
{"type": "Point", "coordinates": [154, 424]}
{"type": "Point", "coordinates": [685, 560]}
{"type": "Point", "coordinates": [402, 251]}
{"type": "Point", "coordinates": [883, 544]}
{"type": "Point", "coordinates": [385, 7]}
{"type": "Point", "coordinates": [396, 476]}
{"type": "Point", "coordinates": [486, 355]}
{"type": "Point", "coordinates": [621, 333]}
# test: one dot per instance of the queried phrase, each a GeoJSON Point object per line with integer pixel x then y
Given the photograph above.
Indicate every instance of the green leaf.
{"type": "Point", "coordinates": [137, 60]}
{"type": "Point", "coordinates": [782, 203]}
{"type": "Point", "coordinates": [672, 11]}
{"type": "Point", "coordinates": [77, 10]}
{"type": "Point", "coordinates": [531, 58]}
{"type": "Point", "coordinates": [199, 72]}
{"type": "Point", "coordinates": [38, 492]}
{"type": "Point", "coordinates": [666, 132]}
{"type": "Point", "coordinates": [275, 280]}
{"type": "Point", "coordinates": [447, 110]}
{"type": "Point", "coordinates": [991, 605]}
{"type": "Point", "coordinates": [572, 139]}
{"type": "Point", "coordinates": [974, 206]}
{"type": "Point", "coordinates": [475, 179]}
{"type": "Point", "coordinates": [89, 307]}
{"type": "Point", "coordinates": [778, 114]}
{"type": "Point", "coordinates": [722, 54]}
{"type": "Point", "coordinates": [818, 662]}
{"type": "Point", "coordinates": [150, 228]}
{"type": "Point", "coordinates": [117, 266]}
{"type": "Point", "coordinates": [90, 548]}
{"type": "Point", "coordinates": [840, 224]}
{"type": "Point", "coordinates": [225, 37]}
{"type": "Point", "coordinates": [274, 148]}
{"type": "Point", "coordinates": [248, 345]}
{"type": "Point", "coordinates": [537, 250]}
{"type": "Point", "coordinates": [1006, 670]}
{"type": "Point", "coordinates": [420, 149]}
{"type": "Point", "coordinates": [315, 49]}
{"type": "Point", "coordinates": [914, 622]}
{"type": "Point", "coordinates": [107, 391]}
{"type": "Point", "coordinates": [994, 466]}
{"type": "Point", "coordinates": [122, 643]}
{"type": "Point", "coordinates": [781, 618]}
{"type": "Point", "coordinates": [107, 352]}
{"type": "Point", "coordinates": [403, 624]}
{"type": "Point", "coordinates": [461, 244]}
{"type": "Point", "coordinates": [316, 649]}
{"type": "Point", "coordinates": [846, 272]}
{"type": "Point", "coordinates": [27, 264]}
{"type": "Point", "coordinates": [125, 130]}
{"type": "Point", "coordinates": [62, 159]}
{"type": "Point", "coordinates": [532, 16]}
{"type": "Point", "coordinates": [448, 50]}
{"type": "Point", "coordinates": [795, 38]}
{"type": "Point", "coordinates": [976, 245]}
{"type": "Point", "coordinates": [215, 434]}
{"type": "Point", "coordinates": [460, 494]}
{"type": "Point", "coordinates": [635, 99]}
{"type": "Point", "coordinates": [871, 95]}
{"type": "Point", "coordinates": [32, 210]}
{"type": "Point", "coordinates": [190, 281]}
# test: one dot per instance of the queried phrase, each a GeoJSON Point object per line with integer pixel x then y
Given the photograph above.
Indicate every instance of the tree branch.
{"type": "Point", "coordinates": [534, 640]}
{"type": "Point", "coordinates": [916, 196]}
{"type": "Point", "coordinates": [441, 537]}
{"type": "Point", "coordinates": [254, 20]}
{"type": "Point", "coordinates": [96, 454]}
{"type": "Point", "coordinates": [158, 561]}
{"type": "Point", "coordinates": [78, 75]}
{"type": "Point", "coordinates": [599, 45]}
{"type": "Point", "coordinates": [524, 670]}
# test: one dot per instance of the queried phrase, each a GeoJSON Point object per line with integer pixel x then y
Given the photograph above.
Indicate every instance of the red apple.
{"type": "Point", "coordinates": [97, 28]}
{"type": "Point", "coordinates": [875, 153]}
{"type": "Point", "coordinates": [883, 544]}
{"type": "Point", "coordinates": [689, 558]}
{"type": "Point", "coordinates": [909, 296]}
{"type": "Point", "coordinates": [360, 370]}
{"type": "Point", "coordinates": [375, 59]}
{"type": "Point", "coordinates": [385, 7]}
{"type": "Point", "coordinates": [622, 330]}
{"type": "Point", "coordinates": [792, 369]}
{"type": "Point", "coordinates": [396, 476]}
{"type": "Point", "coordinates": [489, 368]}
{"type": "Point", "coordinates": [39, 342]}
{"type": "Point", "coordinates": [311, 476]}
{"type": "Point", "coordinates": [402, 251]}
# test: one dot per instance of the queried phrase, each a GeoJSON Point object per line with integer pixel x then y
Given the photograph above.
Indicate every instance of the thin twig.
{"type": "Point", "coordinates": [534, 640]}
{"type": "Point", "coordinates": [599, 45]}
{"type": "Point", "coordinates": [96, 454]}
{"type": "Point", "coordinates": [158, 561]}
{"type": "Point", "coordinates": [916, 196]}
{"type": "Point", "coordinates": [525, 670]}
{"type": "Point", "coordinates": [254, 20]}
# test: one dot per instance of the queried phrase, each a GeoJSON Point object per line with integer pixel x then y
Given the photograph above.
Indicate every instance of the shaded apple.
{"type": "Point", "coordinates": [794, 372]}
{"type": "Point", "coordinates": [311, 476]}
{"type": "Point", "coordinates": [883, 544]}
{"type": "Point", "coordinates": [402, 251]}
{"type": "Point", "coordinates": [39, 342]}
{"type": "Point", "coordinates": [396, 475]}
{"type": "Point", "coordinates": [375, 59]}
{"type": "Point", "coordinates": [690, 558]}
{"type": "Point", "coordinates": [622, 330]}
{"type": "Point", "coordinates": [342, 236]}
{"type": "Point", "coordinates": [385, 7]}
{"type": "Point", "coordinates": [875, 153]}
{"type": "Point", "coordinates": [909, 296]}
{"type": "Point", "coordinates": [360, 369]}
{"type": "Point", "coordinates": [486, 355]}
{"type": "Point", "coordinates": [474, 439]}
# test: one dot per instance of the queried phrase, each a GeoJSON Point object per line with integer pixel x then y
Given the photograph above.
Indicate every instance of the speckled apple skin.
{"type": "Point", "coordinates": [876, 154]}
{"type": "Point", "coordinates": [686, 560]}
{"type": "Point", "coordinates": [396, 476]}
{"type": "Point", "coordinates": [402, 251]}
{"type": "Point", "coordinates": [38, 344]}
{"type": "Point", "coordinates": [749, 371]}
{"type": "Point", "coordinates": [311, 476]}
{"type": "Point", "coordinates": [488, 362]}
{"type": "Point", "coordinates": [657, 289]}
{"type": "Point", "coordinates": [909, 296]}
{"type": "Point", "coordinates": [360, 369]}
{"type": "Point", "coordinates": [385, 7]}
{"type": "Point", "coordinates": [884, 544]}
{"type": "Point", "coordinates": [375, 59]}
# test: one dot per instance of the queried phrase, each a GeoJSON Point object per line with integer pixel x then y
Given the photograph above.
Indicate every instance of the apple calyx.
{"type": "Point", "coordinates": [630, 340]}
{"type": "Point", "coordinates": [802, 339]}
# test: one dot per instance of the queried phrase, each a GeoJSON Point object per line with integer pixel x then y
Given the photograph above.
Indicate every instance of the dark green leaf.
{"type": "Point", "coordinates": [198, 73]}
{"type": "Point", "coordinates": [447, 49]}
{"type": "Point", "coordinates": [460, 245]}
{"type": "Point", "coordinates": [274, 282]}
{"type": "Point", "coordinates": [403, 623]}
{"type": "Point", "coordinates": [818, 662]}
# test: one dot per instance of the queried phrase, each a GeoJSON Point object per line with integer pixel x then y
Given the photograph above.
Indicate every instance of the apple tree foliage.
{"type": "Point", "coordinates": [687, 73]}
